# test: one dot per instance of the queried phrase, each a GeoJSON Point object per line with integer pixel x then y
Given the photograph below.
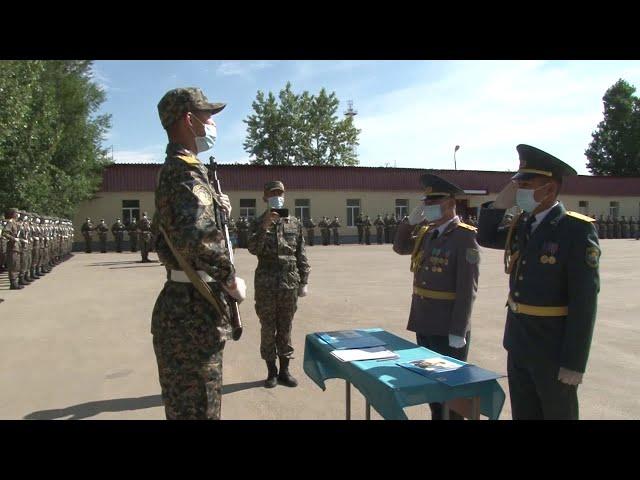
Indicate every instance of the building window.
{"type": "Point", "coordinates": [402, 208]}
{"type": "Point", "coordinates": [303, 208]}
{"type": "Point", "coordinates": [248, 208]}
{"type": "Point", "coordinates": [353, 210]}
{"type": "Point", "coordinates": [583, 206]}
{"type": "Point", "coordinates": [614, 207]}
{"type": "Point", "coordinates": [130, 209]}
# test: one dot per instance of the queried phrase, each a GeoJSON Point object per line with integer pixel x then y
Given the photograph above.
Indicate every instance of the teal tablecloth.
{"type": "Point", "coordinates": [390, 388]}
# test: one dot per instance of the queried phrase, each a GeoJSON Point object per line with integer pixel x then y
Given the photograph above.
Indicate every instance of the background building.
{"type": "Point", "coordinates": [128, 190]}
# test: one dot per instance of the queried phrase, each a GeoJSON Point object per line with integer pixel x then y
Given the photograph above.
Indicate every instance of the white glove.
{"type": "Point", "coordinates": [569, 376]}
{"type": "Point", "coordinates": [456, 341]}
{"type": "Point", "coordinates": [302, 291]}
{"type": "Point", "coordinates": [417, 215]}
{"type": "Point", "coordinates": [238, 291]}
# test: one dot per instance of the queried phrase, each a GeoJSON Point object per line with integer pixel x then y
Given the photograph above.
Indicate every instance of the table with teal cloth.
{"type": "Point", "coordinates": [388, 387]}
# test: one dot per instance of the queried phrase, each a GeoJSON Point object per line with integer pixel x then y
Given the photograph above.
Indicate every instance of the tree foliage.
{"type": "Point", "coordinates": [50, 135]}
{"type": "Point", "coordinates": [300, 129]}
{"type": "Point", "coordinates": [615, 148]}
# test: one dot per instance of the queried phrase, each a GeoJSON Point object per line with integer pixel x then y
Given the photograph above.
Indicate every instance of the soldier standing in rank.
{"type": "Point", "coordinates": [617, 228]}
{"type": "Point", "coordinates": [602, 227]}
{"type": "Point", "coordinates": [624, 227]}
{"type": "Point", "coordinates": [11, 234]}
{"type": "Point", "coordinates": [117, 230]}
{"type": "Point", "coordinates": [243, 228]}
{"type": "Point", "coordinates": [445, 261]}
{"type": "Point", "coordinates": [324, 230]}
{"type": "Point", "coordinates": [367, 230]}
{"type": "Point", "coordinates": [609, 227]}
{"type": "Point", "coordinates": [311, 232]}
{"type": "Point", "coordinates": [281, 277]}
{"type": "Point", "coordinates": [379, 224]}
{"type": "Point", "coordinates": [132, 228]}
{"type": "Point", "coordinates": [633, 228]}
{"type": "Point", "coordinates": [87, 232]}
{"type": "Point", "coordinates": [189, 334]}
{"type": "Point", "coordinates": [335, 225]}
{"type": "Point", "coordinates": [552, 259]}
{"type": "Point", "coordinates": [25, 251]}
{"type": "Point", "coordinates": [359, 226]}
{"type": "Point", "coordinates": [3, 247]}
{"type": "Point", "coordinates": [102, 230]}
{"type": "Point", "coordinates": [387, 222]}
{"type": "Point", "coordinates": [144, 234]}
{"type": "Point", "coordinates": [393, 227]}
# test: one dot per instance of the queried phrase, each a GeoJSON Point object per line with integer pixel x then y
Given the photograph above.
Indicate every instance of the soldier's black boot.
{"type": "Point", "coordinates": [34, 273]}
{"type": "Point", "coordinates": [272, 377]}
{"type": "Point", "coordinates": [22, 280]}
{"type": "Point", "coordinates": [15, 284]}
{"type": "Point", "coordinates": [284, 377]}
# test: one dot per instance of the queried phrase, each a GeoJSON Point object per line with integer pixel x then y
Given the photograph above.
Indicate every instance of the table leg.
{"type": "Point", "coordinates": [445, 411]}
{"type": "Point", "coordinates": [368, 409]}
{"type": "Point", "coordinates": [475, 408]}
{"type": "Point", "coordinates": [348, 400]}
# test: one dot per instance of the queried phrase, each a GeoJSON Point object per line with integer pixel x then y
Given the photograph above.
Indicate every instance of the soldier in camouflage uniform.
{"type": "Point", "coordinates": [281, 277]}
{"type": "Point", "coordinates": [243, 232]}
{"type": "Point", "coordinates": [367, 230]}
{"type": "Point", "coordinates": [35, 247]}
{"type": "Point", "coordinates": [609, 227]}
{"type": "Point", "coordinates": [11, 235]}
{"type": "Point", "coordinates": [102, 230]}
{"type": "Point", "coordinates": [144, 234]}
{"type": "Point", "coordinates": [310, 225]}
{"type": "Point", "coordinates": [132, 228]}
{"type": "Point", "coordinates": [25, 250]}
{"type": "Point", "coordinates": [379, 224]}
{"type": "Point", "coordinates": [387, 228]}
{"type": "Point", "coordinates": [117, 230]}
{"type": "Point", "coordinates": [189, 335]}
{"type": "Point", "coordinates": [324, 231]}
{"type": "Point", "coordinates": [624, 227]}
{"type": "Point", "coordinates": [335, 225]}
{"type": "Point", "coordinates": [3, 247]}
{"type": "Point", "coordinates": [87, 230]}
{"type": "Point", "coordinates": [359, 221]}
{"type": "Point", "coordinates": [633, 228]}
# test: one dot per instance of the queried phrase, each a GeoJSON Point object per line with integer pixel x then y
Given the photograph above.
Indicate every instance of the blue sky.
{"type": "Point", "coordinates": [412, 113]}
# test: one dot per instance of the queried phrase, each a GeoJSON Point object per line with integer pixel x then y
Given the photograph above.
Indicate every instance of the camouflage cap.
{"type": "Point", "coordinates": [273, 185]}
{"type": "Point", "coordinates": [180, 100]}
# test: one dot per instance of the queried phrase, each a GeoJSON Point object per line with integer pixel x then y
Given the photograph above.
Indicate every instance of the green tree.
{"type": "Point", "coordinates": [299, 129]}
{"type": "Point", "coordinates": [615, 148]}
{"type": "Point", "coordinates": [50, 135]}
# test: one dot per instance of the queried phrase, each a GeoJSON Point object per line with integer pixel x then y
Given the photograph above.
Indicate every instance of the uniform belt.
{"type": "Point", "coordinates": [180, 276]}
{"type": "Point", "coordinates": [537, 311]}
{"type": "Point", "coordinates": [434, 294]}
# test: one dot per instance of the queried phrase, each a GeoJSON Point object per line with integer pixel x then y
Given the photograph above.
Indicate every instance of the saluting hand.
{"type": "Point", "coordinates": [507, 197]}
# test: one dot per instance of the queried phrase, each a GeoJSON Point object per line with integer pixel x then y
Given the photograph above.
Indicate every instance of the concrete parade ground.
{"type": "Point", "coordinates": [76, 344]}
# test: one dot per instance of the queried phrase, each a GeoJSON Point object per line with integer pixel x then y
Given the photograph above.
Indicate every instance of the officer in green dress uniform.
{"type": "Point", "coordinates": [552, 258]}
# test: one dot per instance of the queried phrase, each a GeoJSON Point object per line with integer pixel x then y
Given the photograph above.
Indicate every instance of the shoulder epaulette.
{"type": "Point", "coordinates": [468, 227]}
{"type": "Point", "coordinates": [579, 216]}
{"type": "Point", "coordinates": [188, 159]}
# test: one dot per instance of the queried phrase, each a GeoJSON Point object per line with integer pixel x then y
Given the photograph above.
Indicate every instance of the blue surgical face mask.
{"type": "Point", "coordinates": [208, 141]}
{"type": "Point", "coordinates": [525, 200]}
{"type": "Point", "coordinates": [276, 202]}
{"type": "Point", "coordinates": [432, 212]}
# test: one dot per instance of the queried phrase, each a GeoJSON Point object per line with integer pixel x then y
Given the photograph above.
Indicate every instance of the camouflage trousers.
{"type": "Point", "coordinates": [275, 309]}
{"type": "Point", "coordinates": [188, 341]}
{"type": "Point", "coordinates": [13, 264]}
{"type": "Point", "coordinates": [103, 243]}
{"type": "Point", "coordinates": [145, 244]}
{"type": "Point", "coordinates": [87, 244]}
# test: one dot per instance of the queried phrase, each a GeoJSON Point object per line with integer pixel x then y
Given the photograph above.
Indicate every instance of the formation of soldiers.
{"type": "Point", "coordinates": [239, 232]}
{"type": "Point", "coordinates": [32, 244]}
{"type": "Point", "coordinates": [139, 235]}
{"type": "Point", "coordinates": [617, 227]}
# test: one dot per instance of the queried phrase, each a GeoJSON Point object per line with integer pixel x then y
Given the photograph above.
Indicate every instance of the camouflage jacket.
{"type": "Point", "coordinates": [10, 233]}
{"type": "Point", "coordinates": [282, 259]}
{"type": "Point", "coordinates": [184, 207]}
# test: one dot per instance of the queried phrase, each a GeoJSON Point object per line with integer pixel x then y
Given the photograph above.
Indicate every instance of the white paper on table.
{"type": "Point", "coordinates": [371, 353]}
{"type": "Point", "coordinates": [436, 364]}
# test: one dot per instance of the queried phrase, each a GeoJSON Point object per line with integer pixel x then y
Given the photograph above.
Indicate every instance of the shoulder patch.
{"type": "Point", "coordinates": [191, 160]}
{"type": "Point", "coordinates": [593, 257]}
{"type": "Point", "coordinates": [203, 194]}
{"type": "Point", "coordinates": [579, 216]}
{"type": "Point", "coordinates": [468, 227]}
{"type": "Point", "coordinates": [472, 256]}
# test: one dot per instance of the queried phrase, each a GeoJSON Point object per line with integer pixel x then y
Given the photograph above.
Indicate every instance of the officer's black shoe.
{"type": "Point", "coordinates": [284, 377]}
{"type": "Point", "coordinates": [272, 377]}
{"type": "Point", "coordinates": [14, 284]}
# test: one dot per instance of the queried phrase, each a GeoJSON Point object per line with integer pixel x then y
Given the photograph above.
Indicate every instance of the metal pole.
{"type": "Point", "coordinates": [455, 165]}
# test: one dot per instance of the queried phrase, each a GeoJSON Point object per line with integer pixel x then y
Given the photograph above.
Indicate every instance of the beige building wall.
{"type": "Point", "coordinates": [331, 204]}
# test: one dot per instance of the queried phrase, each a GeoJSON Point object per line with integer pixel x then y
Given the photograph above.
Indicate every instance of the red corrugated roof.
{"type": "Point", "coordinates": [142, 178]}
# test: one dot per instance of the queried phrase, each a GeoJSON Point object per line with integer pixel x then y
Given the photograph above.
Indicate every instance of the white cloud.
{"type": "Point", "coordinates": [488, 108]}
{"type": "Point", "coordinates": [150, 154]}
{"type": "Point", "coordinates": [240, 67]}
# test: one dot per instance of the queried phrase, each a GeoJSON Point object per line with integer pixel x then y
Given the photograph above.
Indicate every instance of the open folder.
{"type": "Point", "coordinates": [341, 339]}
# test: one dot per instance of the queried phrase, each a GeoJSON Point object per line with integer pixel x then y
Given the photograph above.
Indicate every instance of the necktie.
{"type": "Point", "coordinates": [435, 234]}
{"type": "Point", "coordinates": [529, 224]}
